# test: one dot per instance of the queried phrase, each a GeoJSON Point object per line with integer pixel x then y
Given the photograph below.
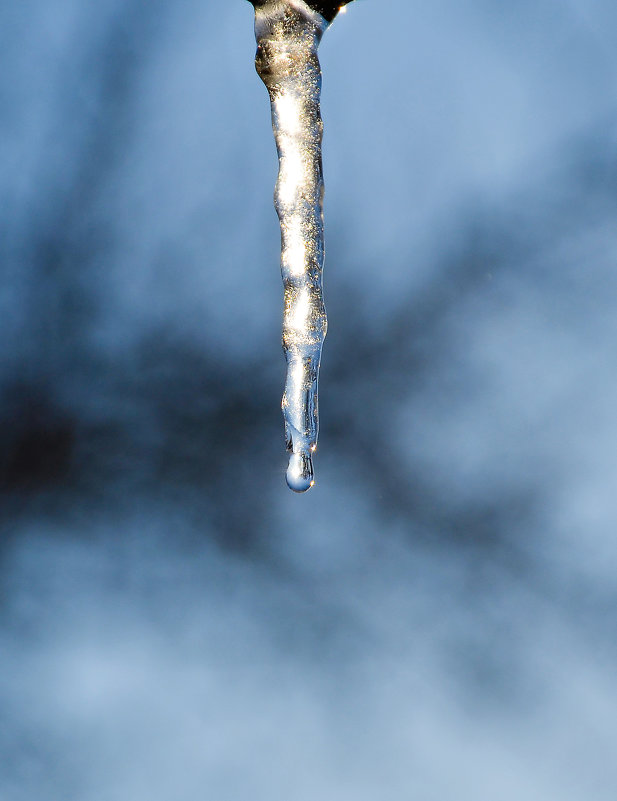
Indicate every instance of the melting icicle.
{"type": "Point", "coordinates": [288, 33]}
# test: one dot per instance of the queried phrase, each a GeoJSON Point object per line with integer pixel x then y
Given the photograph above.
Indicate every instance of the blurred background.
{"type": "Point", "coordinates": [437, 618]}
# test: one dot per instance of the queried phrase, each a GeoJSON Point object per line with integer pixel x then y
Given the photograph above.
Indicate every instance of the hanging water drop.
{"type": "Point", "coordinates": [288, 33]}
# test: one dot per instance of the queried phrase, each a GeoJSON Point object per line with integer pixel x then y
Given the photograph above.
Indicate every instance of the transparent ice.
{"type": "Point", "coordinates": [288, 34]}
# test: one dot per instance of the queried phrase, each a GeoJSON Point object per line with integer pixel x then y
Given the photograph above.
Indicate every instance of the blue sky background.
{"type": "Point", "coordinates": [436, 619]}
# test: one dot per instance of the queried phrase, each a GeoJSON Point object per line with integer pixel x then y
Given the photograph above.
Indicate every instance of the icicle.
{"type": "Point", "coordinates": [288, 33]}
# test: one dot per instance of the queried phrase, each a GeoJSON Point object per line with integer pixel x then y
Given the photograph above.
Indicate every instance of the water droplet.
{"type": "Point", "coordinates": [300, 471]}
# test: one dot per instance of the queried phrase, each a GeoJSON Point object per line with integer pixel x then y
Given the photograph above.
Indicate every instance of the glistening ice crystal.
{"type": "Point", "coordinates": [288, 33]}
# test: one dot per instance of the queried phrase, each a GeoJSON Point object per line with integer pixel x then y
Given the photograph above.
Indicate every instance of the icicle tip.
{"type": "Point", "coordinates": [300, 472]}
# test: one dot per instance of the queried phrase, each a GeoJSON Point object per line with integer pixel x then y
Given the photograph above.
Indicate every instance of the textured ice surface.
{"type": "Point", "coordinates": [288, 35]}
